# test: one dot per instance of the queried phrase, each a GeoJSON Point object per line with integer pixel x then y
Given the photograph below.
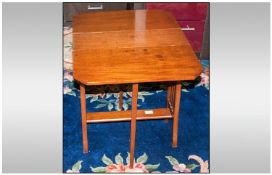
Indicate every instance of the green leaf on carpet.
{"type": "Point", "coordinates": [106, 160]}
{"type": "Point", "coordinates": [72, 93]}
{"type": "Point", "coordinates": [128, 157]}
{"type": "Point", "coordinates": [150, 167]}
{"type": "Point", "coordinates": [191, 166]}
{"type": "Point", "coordinates": [172, 160]}
{"type": "Point", "coordinates": [140, 97]}
{"type": "Point", "coordinates": [142, 159]}
{"type": "Point", "coordinates": [100, 106]}
{"type": "Point", "coordinates": [118, 158]}
{"type": "Point", "coordinates": [145, 93]}
{"type": "Point", "coordinates": [108, 95]}
{"type": "Point", "coordinates": [77, 166]}
{"type": "Point", "coordinates": [125, 106]}
{"type": "Point", "coordinates": [98, 169]}
{"type": "Point", "coordinates": [93, 98]}
{"type": "Point", "coordinates": [110, 106]}
{"type": "Point", "coordinates": [103, 101]}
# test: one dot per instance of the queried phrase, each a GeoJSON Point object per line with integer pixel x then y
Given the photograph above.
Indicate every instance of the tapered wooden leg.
{"type": "Point", "coordinates": [176, 115]}
{"type": "Point", "coordinates": [133, 123]}
{"type": "Point", "coordinates": [169, 93]}
{"type": "Point", "coordinates": [84, 118]}
{"type": "Point", "coordinates": [173, 96]}
{"type": "Point", "coordinates": [121, 98]}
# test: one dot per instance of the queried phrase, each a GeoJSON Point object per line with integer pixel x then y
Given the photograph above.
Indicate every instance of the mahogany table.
{"type": "Point", "coordinates": [131, 47]}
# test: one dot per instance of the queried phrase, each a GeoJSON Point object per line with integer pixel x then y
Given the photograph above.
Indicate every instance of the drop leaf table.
{"type": "Point", "coordinates": [131, 47]}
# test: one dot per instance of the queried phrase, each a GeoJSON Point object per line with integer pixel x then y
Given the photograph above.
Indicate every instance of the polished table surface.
{"type": "Point", "coordinates": [131, 47]}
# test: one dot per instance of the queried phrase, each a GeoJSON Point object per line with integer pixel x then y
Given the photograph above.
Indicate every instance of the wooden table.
{"type": "Point", "coordinates": [131, 47]}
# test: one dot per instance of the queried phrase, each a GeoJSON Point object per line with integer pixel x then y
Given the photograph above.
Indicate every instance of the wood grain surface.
{"type": "Point", "coordinates": [132, 46]}
{"type": "Point", "coordinates": [123, 20]}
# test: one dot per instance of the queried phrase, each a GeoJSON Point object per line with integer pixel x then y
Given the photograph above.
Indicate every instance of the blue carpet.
{"type": "Point", "coordinates": [153, 137]}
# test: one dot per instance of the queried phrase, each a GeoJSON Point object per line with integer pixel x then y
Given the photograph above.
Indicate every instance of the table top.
{"type": "Point", "coordinates": [132, 46]}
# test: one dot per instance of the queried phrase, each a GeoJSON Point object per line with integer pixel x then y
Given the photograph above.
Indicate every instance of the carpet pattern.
{"type": "Point", "coordinates": [109, 142]}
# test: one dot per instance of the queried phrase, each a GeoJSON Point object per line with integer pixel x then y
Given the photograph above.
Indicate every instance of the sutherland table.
{"type": "Point", "coordinates": [131, 47]}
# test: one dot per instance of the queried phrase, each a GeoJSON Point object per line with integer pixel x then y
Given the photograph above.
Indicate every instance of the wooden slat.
{"type": "Point", "coordinates": [114, 116]}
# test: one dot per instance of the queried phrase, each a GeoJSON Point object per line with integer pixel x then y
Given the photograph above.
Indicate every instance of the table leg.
{"type": "Point", "coordinates": [133, 123]}
{"type": "Point", "coordinates": [176, 114]}
{"type": "Point", "coordinates": [169, 93]}
{"type": "Point", "coordinates": [84, 118]}
{"type": "Point", "coordinates": [173, 96]}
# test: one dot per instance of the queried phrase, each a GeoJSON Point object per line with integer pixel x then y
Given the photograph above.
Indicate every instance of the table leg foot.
{"type": "Point", "coordinates": [84, 118]}
{"type": "Point", "coordinates": [176, 114]}
{"type": "Point", "coordinates": [133, 123]}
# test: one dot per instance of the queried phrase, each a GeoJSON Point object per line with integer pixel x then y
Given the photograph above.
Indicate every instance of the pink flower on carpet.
{"type": "Point", "coordinates": [68, 76]}
{"type": "Point", "coordinates": [181, 168]}
{"type": "Point", "coordinates": [113, 168]}
{"type": "Point", "coordinates": [68, 66]}
{"type": "Point", "coordinates": [204, 165]}
{"type": "Point", "coordinates": [206, 72]}
{"type": "Point", "coordinates": [139, 167]}
{"type": "Point", "coordinates": [66, 90]}
{"type": "Point", "coordinates": [67, 30]}
{"type": "Point", "coordinates": [204, 79]}
{"type": "Point", "coordinates": [121, 168]}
